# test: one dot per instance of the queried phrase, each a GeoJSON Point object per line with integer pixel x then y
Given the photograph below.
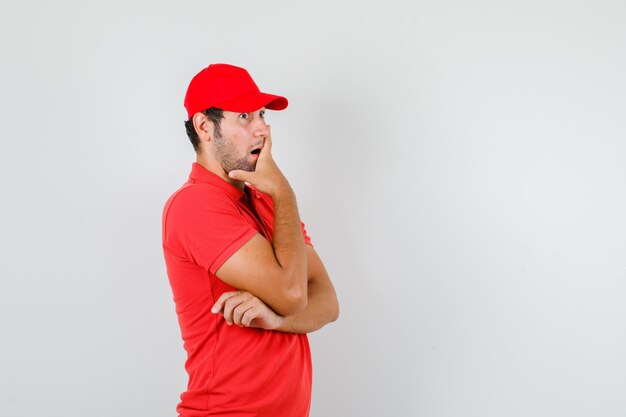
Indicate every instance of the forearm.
{"type": "Point", "coordinates": [288, 244]}
{"type": "Point", "coordinates": [322, 308]}
{"type": "Point", "coordinates": [286, 264]}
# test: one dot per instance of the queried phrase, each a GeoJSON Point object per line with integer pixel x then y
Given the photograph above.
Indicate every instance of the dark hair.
{"type": "Point", "coordinates": [215, 115]}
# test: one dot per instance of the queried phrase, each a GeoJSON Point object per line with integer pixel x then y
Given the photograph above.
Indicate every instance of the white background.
{"type": "Point", "coordinates": [461, 167]}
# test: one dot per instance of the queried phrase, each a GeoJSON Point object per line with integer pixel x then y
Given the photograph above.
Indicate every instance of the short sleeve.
{"type": "Point", "coordinates": [205, 226]}
{"type": "Point", "coordinates": [307, 239]}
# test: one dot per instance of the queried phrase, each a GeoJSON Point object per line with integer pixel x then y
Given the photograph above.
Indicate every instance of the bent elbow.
{"type": "Point", "coordinates": [334, 313]}
{"type": "Point", "coordinates": [297, 300]}
{"type": "Point", "coordinates": [292, 301]}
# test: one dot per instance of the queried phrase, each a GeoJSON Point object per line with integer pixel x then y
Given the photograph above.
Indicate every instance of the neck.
{"type": "Point", "coordinates": [216, 168]}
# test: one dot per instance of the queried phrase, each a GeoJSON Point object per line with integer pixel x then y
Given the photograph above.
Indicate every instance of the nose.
{"type": "Point", "coordinates": [260, 128]}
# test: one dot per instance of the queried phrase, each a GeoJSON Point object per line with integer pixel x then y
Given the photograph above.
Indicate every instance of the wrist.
{"type": "Point", "coordinates": [282, 192]}
{"type": "Point", "coordinates": [281, 323]}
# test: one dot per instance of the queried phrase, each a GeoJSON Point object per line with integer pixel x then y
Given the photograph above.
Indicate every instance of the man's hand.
{"type": "Point", "coordinates": [275, 271]}
{"type": "Point", "coordinates": [246, 310]}
{"type": "Point", "coordinates": [266, 177]}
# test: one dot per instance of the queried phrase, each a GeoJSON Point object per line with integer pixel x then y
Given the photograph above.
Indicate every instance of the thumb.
{"type": "Point", "coordinates": [240, 175]}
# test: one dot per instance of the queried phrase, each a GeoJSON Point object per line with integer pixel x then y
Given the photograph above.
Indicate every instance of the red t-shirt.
{"type": "Point", "coordinates": [233, 371]}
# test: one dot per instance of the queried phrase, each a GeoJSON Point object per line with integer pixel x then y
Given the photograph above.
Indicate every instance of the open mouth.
{"type": "Point", "coordinates": [256, 151]}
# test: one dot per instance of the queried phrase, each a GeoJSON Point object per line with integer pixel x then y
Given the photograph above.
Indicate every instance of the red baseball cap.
{"type": "Point", "coordinates": [230, 88]}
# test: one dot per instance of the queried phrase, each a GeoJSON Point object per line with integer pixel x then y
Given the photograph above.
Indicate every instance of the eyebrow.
{"type": "Point", "coordinates": [249, 112]}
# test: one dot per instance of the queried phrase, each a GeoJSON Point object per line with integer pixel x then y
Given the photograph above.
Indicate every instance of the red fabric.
{"type": "Point", "coordinates": [228, 87]}
{"type": "Point", "coordinates": [233, 371]}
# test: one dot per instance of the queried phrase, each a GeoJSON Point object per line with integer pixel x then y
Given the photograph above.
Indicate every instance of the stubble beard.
{"type": "Point", "coordinates": [227, 155]}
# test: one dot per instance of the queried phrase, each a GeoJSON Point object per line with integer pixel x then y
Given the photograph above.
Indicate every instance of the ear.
{"type": "Point", "coordinates": [204, 129]}
{"type": "Point", "coordinates": [203, 126]}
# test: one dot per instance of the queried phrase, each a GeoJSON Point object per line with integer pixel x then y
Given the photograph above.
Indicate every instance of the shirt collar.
{"type": "Point", "coordinates": [200, 174]}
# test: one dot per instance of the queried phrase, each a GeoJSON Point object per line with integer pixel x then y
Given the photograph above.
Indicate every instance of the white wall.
{"type": "Point", "coordinates": [461, 167]}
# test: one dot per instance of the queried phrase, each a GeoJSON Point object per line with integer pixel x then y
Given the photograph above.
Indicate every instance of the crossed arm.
{"type": "Point", "coordinates": [246, 310]}
{"type": "Point", "coordinates": [283, 285]}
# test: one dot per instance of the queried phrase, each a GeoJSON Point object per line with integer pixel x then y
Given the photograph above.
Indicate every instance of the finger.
{"type": "Point", "coordinates": [240, 175]}
{"type": "Point", "coordinates": [239, 312]}
{"type": "Point", "coordinates": [266, 150]}
{"type": "Point", "coordinates": [248, 316]}
{"type": "Point", "coordinates": [229, 307]}
{"type": "Point", "coordinates": [219, 304]}
{"type": "Point", "coordinates": [267, 144]}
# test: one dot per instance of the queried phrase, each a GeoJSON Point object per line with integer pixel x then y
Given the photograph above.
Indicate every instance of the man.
{"type": "Point", "coordinates": [246, 281]}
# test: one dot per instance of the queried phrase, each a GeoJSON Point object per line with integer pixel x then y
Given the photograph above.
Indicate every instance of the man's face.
{"type": "Point", "coordinates": [241, 139]}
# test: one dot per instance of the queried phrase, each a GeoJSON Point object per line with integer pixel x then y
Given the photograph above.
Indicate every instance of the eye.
{"type": "Point", "coordinates": [244, 116]}
{"type": "Point", "coordinates": [262, 114]}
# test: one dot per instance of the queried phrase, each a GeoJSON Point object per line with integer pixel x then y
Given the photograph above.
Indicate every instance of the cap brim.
{"type": "Point", "coordinates": [253, 102]}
